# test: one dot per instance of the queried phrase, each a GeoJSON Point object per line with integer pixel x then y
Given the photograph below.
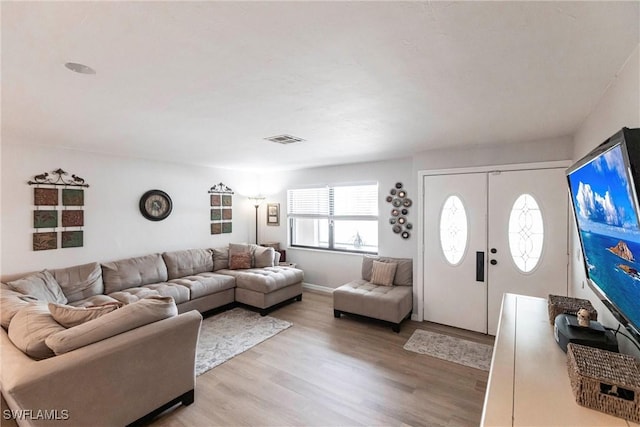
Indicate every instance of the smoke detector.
{"type": "Point", "coordinates": [284, 139]}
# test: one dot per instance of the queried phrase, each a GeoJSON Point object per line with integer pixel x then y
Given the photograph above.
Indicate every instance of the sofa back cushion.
{"type": "Point", "coordinates": [80, 281]}
{"type": "Point", "coordinates": [131, 316]}
{"type": "Point", "coordinates": [29, 329]}
{"type": "Point", "coordinates": [220, 258]}
{"type": "Point", "coordinates": [133, 272]}
{"type": "Point", "coordinates": [404, 270]}
{"type": "Point", "coordinates": [42, 286]}
{"type": "Point", "coordinates": [188, 262]}
{"type": "Point", "coordinates": [264, 257]}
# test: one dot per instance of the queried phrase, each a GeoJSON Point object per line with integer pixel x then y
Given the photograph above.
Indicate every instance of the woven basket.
{"type": "Point", "coordinates": [605, 381]}
{"type": "Point", "coordinates": [566, 305]}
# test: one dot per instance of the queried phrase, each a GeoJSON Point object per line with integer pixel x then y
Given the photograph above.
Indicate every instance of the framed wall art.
{"type": "Point", "coordinates": [221, 209]}
{"type": "Point", "coordinates": [64, 221]}
{"type": "Point", "coordinates": [273, 213]}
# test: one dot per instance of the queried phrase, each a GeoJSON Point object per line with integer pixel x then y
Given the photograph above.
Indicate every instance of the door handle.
{"type": "Point", "coordinates": [479, 266]}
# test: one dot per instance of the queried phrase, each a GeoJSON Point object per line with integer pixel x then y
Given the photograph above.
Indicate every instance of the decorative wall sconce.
{"type": "Point", "coordinates": [400, 202]}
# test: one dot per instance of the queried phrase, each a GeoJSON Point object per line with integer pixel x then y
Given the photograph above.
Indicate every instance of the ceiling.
{"type": "Point", "coordinates": [205, 82]}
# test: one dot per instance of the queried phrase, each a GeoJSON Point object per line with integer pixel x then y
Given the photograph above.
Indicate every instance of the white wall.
{"type": "Point", "coordinates": [619, 107]}
{"type": "Point", "coordinates": [497, 154]}
{"type": "Point", "coordinates": [332, 269]}
{"type": "Point", "coordinates": [114, 227]}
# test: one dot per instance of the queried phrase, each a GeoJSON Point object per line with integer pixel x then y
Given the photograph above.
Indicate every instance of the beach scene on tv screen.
{"type": "Point", "coordinates": [608, 225]}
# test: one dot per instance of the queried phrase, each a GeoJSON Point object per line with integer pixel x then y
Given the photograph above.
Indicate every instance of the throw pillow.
{"type": "Point", "coordinates": [69, 316]}
{"type": "Point", "coordinates": [263, 257]}
{"type": "Point", "coordinates": [41, 285]}
{"type": "Point", "coordinates": [240, 261]}
{"type": "Point", "coordinates": [383, 273]}
{"type": "Point", "coordinates": [131, 316]}
{"type": "Point", "coordinates": [236, 248]}
{"type": "Point", "coordinates": [29, 329]}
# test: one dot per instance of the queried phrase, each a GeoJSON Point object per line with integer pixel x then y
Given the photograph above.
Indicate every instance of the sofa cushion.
{"type": "Point", "coordinates": [29, 329]}
{"type": "Point", "coordinates": [239, 261]}
{"type": "Point", "coordinates": [220, 258]}
{"type": "Point", "coordinates": [383, 273]}
{"type": "Point", "coordinates": [178, 292]}
{"type": "Point", "coordinates": [404, 270]}
{"type": "Point", "coordinates": [265, 280]}
{"type": "Point", "coordinates": [131, 295]}
{"type": "Point", "coordinates": [263, 257]}
{"type": "Point", "coordinates": [94, 300]}
{"type": "Point", "coordinates": [11, 302]}
{"type": "Point", "coordinates": [188, 262]}
{"type": "Point", "coordinates": [133, 272]}
{"type": "Point", "coordinates": [80, 281]}
{"type": "Point", "coordinates": [205, 284]}
{"type": "Point", "coordinates": [143, 312]}
{"type": "Point", "coordinates": [69, 316]}
{"type": "Point", "coordinates": [41, 285]}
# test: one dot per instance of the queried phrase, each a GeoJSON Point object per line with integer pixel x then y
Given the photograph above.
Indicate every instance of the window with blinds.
{"type": "Point", "coordinates": [339, 218]}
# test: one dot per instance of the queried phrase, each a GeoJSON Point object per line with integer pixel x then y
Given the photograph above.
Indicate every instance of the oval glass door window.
{"type": "Point", "coordinates": [453, 230]}
{"type": "Point", "coordinates": [526, 233]}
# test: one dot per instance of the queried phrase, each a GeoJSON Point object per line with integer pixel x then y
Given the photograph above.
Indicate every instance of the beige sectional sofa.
{"type": "Point", "coordinates": [117, 368]}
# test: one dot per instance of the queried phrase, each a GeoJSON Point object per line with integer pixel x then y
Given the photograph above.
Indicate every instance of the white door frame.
{"type": "Point", "coordinates": [419, 282]}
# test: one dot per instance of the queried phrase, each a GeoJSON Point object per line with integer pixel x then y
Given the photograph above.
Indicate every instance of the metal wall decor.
{"type": "Point", "coordinates": [66, 222]}
{"type": "Point", "coordinates": [221, 201]}
{"type": "Point", "coordinates": [400, 204]}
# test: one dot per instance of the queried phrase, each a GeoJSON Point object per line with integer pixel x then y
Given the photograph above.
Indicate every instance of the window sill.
{"type": "Point", "coordinates": [329, 251]}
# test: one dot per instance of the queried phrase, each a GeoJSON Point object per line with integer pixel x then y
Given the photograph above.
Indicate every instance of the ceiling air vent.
{"type": "Point", "coordinates": [284, 139]}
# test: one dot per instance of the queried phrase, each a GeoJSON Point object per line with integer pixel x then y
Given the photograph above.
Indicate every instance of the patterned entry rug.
{"type": "Point", "coordinates": [232, 332]}
{"type": "Point", "coordinates": [453, 349]}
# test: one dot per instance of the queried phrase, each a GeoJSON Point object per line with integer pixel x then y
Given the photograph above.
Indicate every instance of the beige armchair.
{"type": "Point", "coordinates": [385, 291]}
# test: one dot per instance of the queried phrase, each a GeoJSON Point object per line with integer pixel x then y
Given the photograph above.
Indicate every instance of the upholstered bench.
{"type": "Point", "coordinates": [387, 298]}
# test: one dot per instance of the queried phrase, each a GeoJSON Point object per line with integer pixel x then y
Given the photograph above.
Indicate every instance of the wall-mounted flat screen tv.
{"type": "Point", "coordinates": [605, 205]}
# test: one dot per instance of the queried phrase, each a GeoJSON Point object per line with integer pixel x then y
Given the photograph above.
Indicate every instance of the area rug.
{"type": "Point", "coordinates": [232, 332]}
{"type": "Point", "coordinates": [449, 348]}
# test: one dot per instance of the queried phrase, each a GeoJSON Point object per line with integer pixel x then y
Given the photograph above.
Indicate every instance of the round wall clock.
{"type": "Point", "coordinates": [155, 205]}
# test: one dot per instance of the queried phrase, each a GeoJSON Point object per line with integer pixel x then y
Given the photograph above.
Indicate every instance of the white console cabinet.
{"type": "Point", "coordinates": [529, 383]}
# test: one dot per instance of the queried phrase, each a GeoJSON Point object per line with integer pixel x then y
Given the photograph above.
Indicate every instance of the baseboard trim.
{"type": "Point", "coordinates": [317, 288]}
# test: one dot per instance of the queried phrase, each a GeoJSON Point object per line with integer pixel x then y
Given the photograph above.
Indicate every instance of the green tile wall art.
{"type": "Point", "coordinates": [58, 215]}
{"type": "Point", "coordinates": [221, 200]}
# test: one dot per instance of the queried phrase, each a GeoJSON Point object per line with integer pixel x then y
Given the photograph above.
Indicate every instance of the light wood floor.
{"type": "Point", "coordinates": [336, 372]}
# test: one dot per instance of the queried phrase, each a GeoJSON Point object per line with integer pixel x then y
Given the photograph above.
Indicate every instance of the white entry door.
{"type": "Point", "coordinates": [528, 212]}
{"type": "Point", "coordinates": [454, 232]}
{"type": "Point", "coordinates": [511, 238]}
